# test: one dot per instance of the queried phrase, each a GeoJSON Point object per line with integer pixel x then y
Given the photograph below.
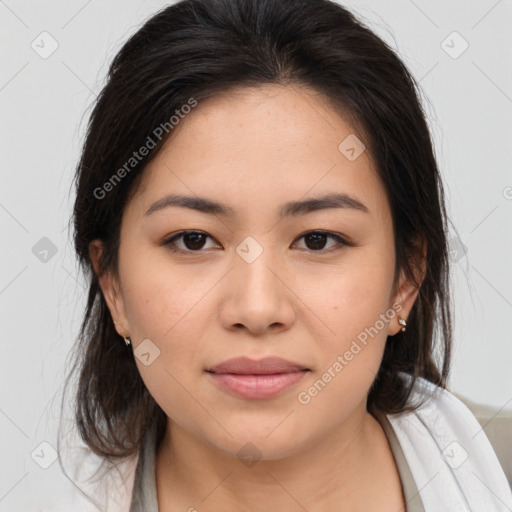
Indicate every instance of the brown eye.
{"type": "Point", "coordinates": [191, 241]}
{"type": "Point", "coordinates": [194, 241]}
{"type": "Point", "coordinates": [317, 240]}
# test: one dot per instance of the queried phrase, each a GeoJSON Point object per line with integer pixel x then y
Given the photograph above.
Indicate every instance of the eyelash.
{"type": "Point", "coordinates": [340, 241]}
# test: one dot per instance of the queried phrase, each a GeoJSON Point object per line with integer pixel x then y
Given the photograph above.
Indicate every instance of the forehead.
{"type": "Point", "coordinates": [262, 146]}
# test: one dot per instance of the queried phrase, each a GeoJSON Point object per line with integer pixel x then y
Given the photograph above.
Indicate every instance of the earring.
{"type": "Point", "coordinates": [127, 340]}
{"type": "Point", "coordinates": [403, 323]}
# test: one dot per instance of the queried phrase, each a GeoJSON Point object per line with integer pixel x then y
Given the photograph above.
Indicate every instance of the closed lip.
{"type": "Point", "coordinates": [265, 366]}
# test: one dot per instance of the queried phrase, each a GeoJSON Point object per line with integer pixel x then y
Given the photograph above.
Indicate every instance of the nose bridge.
{"type": "Point", "coordinates": [255, 259]}
{"type": "Point", "coordinates": [256, 296]}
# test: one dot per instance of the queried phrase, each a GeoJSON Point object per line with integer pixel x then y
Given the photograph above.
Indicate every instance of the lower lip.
{"type": "Point", "coordinates": [257, 386]}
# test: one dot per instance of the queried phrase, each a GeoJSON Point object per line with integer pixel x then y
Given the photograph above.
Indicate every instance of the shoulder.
{"type": "Point", "coordinates": [497, 424]}
{"type": "Point", "coordinates": [448, 451]}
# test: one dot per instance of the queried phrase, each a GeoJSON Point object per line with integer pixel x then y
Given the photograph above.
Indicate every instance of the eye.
{"type": "Point", "coordinates": [193, 241]}
{"type": "Point", "coordinates": [316, 241]}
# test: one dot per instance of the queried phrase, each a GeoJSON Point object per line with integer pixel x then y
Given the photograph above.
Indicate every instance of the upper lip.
{"type": "Point", "coordinates": [265, 366]}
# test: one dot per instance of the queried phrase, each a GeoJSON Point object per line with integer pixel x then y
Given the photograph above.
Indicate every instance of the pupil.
{"type": "Point", "coordinates": [317, 238]}
{"type": "Point", "coordinates": [195, 240]}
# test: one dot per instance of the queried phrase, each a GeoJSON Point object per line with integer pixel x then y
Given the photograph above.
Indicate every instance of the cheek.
{"type": "Point", "coordinates": [352, 297]}
{"type": "Point", "coordinates": [351, 357]}
{"type": "Point", "coordinates": [354, 303]}
{"type": "Point", "coordinates": [166, 308]}
{"type": "Point", "coordinates": [159, 297]}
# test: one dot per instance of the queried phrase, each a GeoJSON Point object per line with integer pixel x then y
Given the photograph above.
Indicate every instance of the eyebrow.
{"type": "Point", "coordinates": [291, 209]}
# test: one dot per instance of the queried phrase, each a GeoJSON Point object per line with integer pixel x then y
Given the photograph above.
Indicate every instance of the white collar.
{"type": "Point", "coordinates": [452, 461]}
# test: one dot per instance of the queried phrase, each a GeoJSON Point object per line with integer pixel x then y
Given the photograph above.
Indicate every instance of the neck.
{"type": "Point", "coordinates": [192, 474]}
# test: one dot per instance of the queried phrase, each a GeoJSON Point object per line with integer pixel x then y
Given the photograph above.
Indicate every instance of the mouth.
{"type": "Point", "coordinates": [257, 379]}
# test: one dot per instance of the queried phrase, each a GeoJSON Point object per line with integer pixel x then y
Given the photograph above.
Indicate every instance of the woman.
{"type": "Point", "coordinates": [268, 326]}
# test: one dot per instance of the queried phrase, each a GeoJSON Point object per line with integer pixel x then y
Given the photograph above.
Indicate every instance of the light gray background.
{"type": "Point", "coordinates": [44, 105]}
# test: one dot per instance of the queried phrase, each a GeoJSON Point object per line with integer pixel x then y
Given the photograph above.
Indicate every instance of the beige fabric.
{"type": "Point", "coordinates": [412, 496]}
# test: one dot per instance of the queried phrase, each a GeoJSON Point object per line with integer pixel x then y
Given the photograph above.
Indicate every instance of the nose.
{"type": "Point", "coordinates": [257, 296]}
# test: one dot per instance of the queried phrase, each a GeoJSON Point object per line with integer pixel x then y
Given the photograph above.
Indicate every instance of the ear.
{"type": "Point", "coordinates": [406, 290]}
{"type": "Point", "coordinates": [110, 288]}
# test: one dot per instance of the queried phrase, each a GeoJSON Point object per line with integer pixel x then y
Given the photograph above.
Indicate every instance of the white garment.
{"type": "Point", "coordinates": [449, 455]}
{"type": "Point", "coordinates": [451, 460]}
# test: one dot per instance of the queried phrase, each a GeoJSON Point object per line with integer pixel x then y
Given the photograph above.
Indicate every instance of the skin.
{"type": "Point", "coordinates": [254, 150]}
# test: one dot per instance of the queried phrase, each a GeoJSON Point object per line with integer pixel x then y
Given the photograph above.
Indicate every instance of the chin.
{"type": "Point", "coordinates": [255, 443]}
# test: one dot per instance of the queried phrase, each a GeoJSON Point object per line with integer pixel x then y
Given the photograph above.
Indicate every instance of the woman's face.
{"type": "Point", "coordinates": [256, 282]}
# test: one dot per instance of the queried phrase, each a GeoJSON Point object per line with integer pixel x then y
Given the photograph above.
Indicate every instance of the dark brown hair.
{"type": "Point", "coordinates": [200, 48]}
